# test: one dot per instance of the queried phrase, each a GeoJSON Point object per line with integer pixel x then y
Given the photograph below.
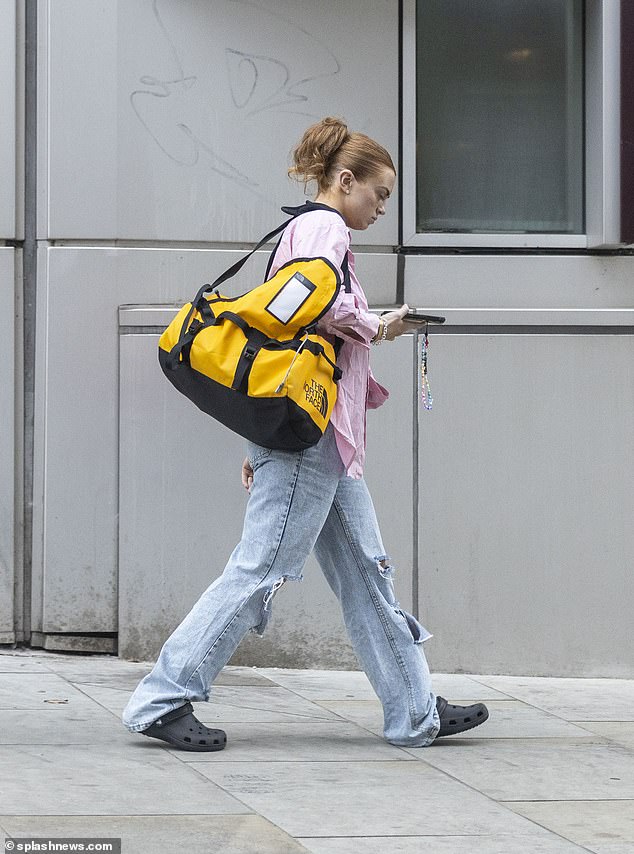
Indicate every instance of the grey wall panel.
{"type": "Point", "coordinates": [77, 118]}
{"type": "Point", "coordinates": [527, 484]}
{"type": "Point", "coordinates": [180, 498]}
{"type": "Point", "coordinates": [7, 444]}
{"type": "Point", "coordinates": [176, 119]}
{"type": "Point", "coordinates": [602, 284]}
{"type": "Point", "coordinates": [8, 125]}
{"type": "Point", "coordinates": [76, 429]}
{"type": "Point", "coordinates": [182, 504]}
{"type": "Point", "coordinates": [377, 273]}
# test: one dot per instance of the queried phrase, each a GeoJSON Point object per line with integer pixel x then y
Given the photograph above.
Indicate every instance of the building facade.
{"type": "Point", "coordinates": [144, 145]}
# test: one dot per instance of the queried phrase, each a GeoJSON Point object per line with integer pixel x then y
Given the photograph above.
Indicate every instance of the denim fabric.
{"type": "Point", "coordinates": [300, 501]}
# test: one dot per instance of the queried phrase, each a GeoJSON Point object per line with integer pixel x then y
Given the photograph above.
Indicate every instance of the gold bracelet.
{"type": "Point", "coordinates": [380, 338]}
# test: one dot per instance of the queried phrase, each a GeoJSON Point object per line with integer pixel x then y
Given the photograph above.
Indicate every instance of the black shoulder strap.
{"type": "Point", "coordinates": [297, 211]}
{"type": "Point", "coordinates": [235, 268]}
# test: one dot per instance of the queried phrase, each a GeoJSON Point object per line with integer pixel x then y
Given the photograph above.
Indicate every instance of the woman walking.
{"type": "Point", "coordinates": [315, 498]}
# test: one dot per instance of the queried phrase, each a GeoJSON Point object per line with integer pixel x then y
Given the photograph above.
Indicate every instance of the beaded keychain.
{"type": "Point", "coordinates": [425, 389]}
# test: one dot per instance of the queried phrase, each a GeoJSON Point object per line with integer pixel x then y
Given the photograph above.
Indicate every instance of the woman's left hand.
{"type": "Point", "coordinates": [396, 325]}
{"type": "Point", "coordinates": [247, 475]}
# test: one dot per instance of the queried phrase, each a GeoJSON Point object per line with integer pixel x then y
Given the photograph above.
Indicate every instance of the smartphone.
{"type": "Point", "coordinates": [415, 316]}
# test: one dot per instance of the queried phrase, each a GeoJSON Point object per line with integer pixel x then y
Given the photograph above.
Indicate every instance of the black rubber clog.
{"type": "Point", "coordinates": [455, 719]}
{"type": "Point", "coordinates": [182, 729]}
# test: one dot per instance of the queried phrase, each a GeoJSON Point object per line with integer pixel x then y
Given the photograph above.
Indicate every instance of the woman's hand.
{"type": "Point", "coordinates": [395, 324]}
{"type": "Point", "coordinates": [247, 474]}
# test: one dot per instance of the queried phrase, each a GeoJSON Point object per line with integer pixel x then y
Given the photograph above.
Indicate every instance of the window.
{"type": "Point", "coordinates": [498, 121]}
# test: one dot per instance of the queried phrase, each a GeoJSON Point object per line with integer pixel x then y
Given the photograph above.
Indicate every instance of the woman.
{"type": "Point", "coordinates": [313, 499]}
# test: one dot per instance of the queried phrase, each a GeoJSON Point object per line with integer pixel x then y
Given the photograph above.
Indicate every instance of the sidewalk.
{"type": "Point", "coordinates": [305, 768]}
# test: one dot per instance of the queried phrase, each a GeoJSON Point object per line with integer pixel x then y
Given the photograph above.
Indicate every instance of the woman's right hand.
{"type": "Point", "coordinates": [395, 324]}
{"type": "Point", "coordinates": [247, 474]}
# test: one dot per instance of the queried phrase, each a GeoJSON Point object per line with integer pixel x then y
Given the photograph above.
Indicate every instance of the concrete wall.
{"type": "Point", "coordinates": [10, 257]}
{"type": "Point", "coordinates": [7, 445]}
{"type": "Point", "coordinates": [163, 137]}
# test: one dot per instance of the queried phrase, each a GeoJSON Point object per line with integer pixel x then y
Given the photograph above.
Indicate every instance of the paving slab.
{"type": "Point", "coordinates": [337, 741]}
{"type": "Point", "coordinates": [621, 732]}
{"type": "Point", "coordinates": [230, 704]}
{"type": "Point", "coordinates": [441, 845]}
{"type": "Point", "coordinates": [571, 699]}
{"type": "Point", "coordinates": [528, 770]}
{"type": "Point", "coordinates": [249, 703]}
{"type": "Point", "coordinates": [612, 848]}
{"type": "Point", "coordinates": [390, 798]}
{"type": "Point", "coordinates": [508, 719]}
{"type": "Point", "coordinates": [323, 684]}
{"type": "Point", "coordinates": [18, 663]}
{"type": "Point", "coordinates": [191, 834]}
{"type": "Point", "coordinates": [112, 699]}
{"type": "Point", "coordinates": [587, 823]}
{"type": "Point", "coordinates": [40, 691]}
{"type": "Point", "coordinates": [83, 780]}
{"type": "Point", "coordinates": [458, 688]}
{"type": "Point", "coordinates": [514, 719]}
{"type": "Point", "coordinates": [367, 714]}
{"type": "Point", "coordinates": [90, 726]}
{"type": "Point", "coordinates": [109, 670]}
{"type": "Point", "coordinates": [333, 685]}
{"type": "Point", "coordinates": [230, 675]}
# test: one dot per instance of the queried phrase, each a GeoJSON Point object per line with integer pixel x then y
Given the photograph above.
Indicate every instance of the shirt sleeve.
{"type": "Point", "coordinates": [328, 236]}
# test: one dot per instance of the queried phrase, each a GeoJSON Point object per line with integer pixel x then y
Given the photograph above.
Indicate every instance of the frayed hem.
{"type": "Point", "coordinates": [138, 727]}
{"type": "Point", "coordinates": [413, 742]}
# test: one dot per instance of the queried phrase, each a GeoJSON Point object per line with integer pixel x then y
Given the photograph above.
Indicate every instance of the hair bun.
{"type": "Point", "coordinates": [317, 148]}
{"type": "Point", "coordinates": [327, 146]}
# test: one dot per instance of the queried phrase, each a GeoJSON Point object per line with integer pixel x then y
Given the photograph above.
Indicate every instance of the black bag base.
{"type": "Point", "coordinates": [277, 423]}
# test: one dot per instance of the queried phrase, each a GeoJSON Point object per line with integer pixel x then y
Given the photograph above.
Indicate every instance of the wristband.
{"type": "Point", "coordinates": [381, 338]}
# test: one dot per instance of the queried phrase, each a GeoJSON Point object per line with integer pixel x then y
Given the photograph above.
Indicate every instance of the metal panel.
{"type": "Point", "coordinates": [527, 473]}
{"type": "Point", "coordinates": [559, 289]}
{"type": "Point", "coordinates": [76, 422]}
{"type": "Point", "coordinates": [182, 504]}
{"type": "Point", "coordinates": [7, 444]}
{"type": "Point", "coordinates": [603, 122]}
{"type": "Point", "coordinates": [8, 125]}
{"type": "Point", "coordinates": [627, 123]}
{"type": "Point", "coordinates": [176, 119]}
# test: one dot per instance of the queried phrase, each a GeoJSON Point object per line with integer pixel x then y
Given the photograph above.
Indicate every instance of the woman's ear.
{"type": "Point", "coordinates": [345, 179]}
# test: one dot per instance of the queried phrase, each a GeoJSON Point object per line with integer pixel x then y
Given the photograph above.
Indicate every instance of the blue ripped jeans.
{"type": "Point", "coordinates": [300, 501]}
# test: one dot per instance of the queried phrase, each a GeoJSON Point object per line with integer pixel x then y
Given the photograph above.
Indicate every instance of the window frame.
{"type": "Point", "coordinates": [601, 143]}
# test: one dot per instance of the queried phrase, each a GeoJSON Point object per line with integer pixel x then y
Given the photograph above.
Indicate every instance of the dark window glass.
{"type": "Point", "coordinates": [499, 116]}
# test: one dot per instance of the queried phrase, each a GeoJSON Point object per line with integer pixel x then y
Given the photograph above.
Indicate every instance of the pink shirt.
{"type": "Point", "coordinates": [324, 233]}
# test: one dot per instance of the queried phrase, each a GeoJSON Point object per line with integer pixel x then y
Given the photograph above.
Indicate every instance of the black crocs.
{"type": "Point", "coordinates": [455, 719]}
{"type": "Point", "coordinates": [181, 729]}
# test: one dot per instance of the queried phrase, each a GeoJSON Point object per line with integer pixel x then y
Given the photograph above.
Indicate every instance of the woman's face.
{"type": "Point", "coordinates": [364, 201]}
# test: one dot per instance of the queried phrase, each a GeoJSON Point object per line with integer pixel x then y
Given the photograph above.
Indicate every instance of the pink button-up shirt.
{"type": "Point", "coordinates": [324, 233]}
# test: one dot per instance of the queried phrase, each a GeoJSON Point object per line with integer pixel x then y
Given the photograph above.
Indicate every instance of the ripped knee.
{"type": "Point", "coordinates": [267, 599]}
{"type": "Point", "coordinates": [384, 565]}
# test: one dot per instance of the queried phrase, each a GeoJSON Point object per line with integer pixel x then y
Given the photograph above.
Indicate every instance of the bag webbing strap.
{"type": "Point", "coordinates": [200, 304]}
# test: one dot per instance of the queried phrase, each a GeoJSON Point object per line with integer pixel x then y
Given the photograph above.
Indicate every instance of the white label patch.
{"type": "Point", "coordinates": [290, 298]}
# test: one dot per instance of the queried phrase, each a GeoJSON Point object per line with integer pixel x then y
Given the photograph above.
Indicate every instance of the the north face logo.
{"type": "Point", "coordinates": [317, 395]}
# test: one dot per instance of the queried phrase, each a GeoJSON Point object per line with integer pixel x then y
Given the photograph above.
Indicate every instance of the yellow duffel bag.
{"type": "Point", "coordinates": [255, 362]}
